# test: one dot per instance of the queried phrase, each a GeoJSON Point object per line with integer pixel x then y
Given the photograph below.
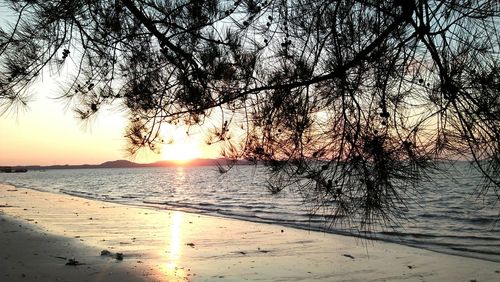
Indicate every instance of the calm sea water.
{"type": "Point", "coordinates": [448, 217]}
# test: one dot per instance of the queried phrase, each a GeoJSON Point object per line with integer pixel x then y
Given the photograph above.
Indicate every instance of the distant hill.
{"type": "Point", "coordinates": [118, 164]}
{"type": "Point", "coordinates": [129, 164]}
{"type": "Point", "coordinates": [165, 163]}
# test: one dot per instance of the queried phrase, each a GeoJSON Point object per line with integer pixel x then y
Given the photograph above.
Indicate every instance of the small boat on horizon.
{"type": "Point", "coordinates": [13, 170]}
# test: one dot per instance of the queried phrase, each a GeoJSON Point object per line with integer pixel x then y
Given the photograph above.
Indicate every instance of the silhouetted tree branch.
{"type": "Point", "coordinates": [353, 102]}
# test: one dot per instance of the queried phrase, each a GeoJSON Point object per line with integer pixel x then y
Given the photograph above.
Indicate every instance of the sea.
{"type": "Point", "coordinates": [446, 215]}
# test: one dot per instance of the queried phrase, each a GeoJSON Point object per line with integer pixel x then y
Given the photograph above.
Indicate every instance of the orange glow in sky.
{"type": "Point", "coordinates": [47, 132]}
{"type": "Point", "coordinates": [180, 146]}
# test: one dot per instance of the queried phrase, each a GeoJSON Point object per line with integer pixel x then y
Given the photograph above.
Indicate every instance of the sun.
{"type": "Point", "coordinates": [180, 147]}
{"type": "Point", "coordinates": [180, 153]}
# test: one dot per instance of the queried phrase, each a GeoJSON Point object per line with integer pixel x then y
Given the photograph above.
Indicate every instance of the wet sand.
{"type": "Point", "coordinates": [40, 232]}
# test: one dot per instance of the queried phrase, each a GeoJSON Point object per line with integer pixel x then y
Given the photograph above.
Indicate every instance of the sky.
{"type": "Point", "coordinates": [47, 131]}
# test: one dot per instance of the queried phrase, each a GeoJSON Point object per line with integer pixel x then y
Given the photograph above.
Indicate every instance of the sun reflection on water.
{"type": "Point", "coordinates": [168, 247]}
{"type": "Point", "coordinates": [181, 173]}
{"type": "Point", "coordinates": [175, 240]}
{"type": "Point", "coordinates": [179, 178]}
{"type": "Point", "coordinates": [175, 246]}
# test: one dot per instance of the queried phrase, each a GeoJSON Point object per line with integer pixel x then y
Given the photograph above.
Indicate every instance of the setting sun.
{"type": "Point", "coordinates": [180, 147]}
{"type": "Point", "coordinates": [180, 152]}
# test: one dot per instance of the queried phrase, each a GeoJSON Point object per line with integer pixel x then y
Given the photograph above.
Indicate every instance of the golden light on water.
{"type": "Point", "coordinates": [175, 238]}
{"type": "Point", "coordinates": [175, 246]}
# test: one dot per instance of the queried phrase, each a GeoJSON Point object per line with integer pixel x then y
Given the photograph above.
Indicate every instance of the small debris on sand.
{"type": "Point", "coordinates": [190, 244]}
{"type": "Point", "coordinates": [73, 262]}
{"type": "Point", "coordinates": [410, 266]}
{"type": "Point", "coordinates": [119, 256]}
{"type": "Point", "coordinates": [348, 256]}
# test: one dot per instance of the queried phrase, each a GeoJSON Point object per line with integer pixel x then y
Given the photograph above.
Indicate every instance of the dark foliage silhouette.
{"type": "Point", "coordinates": [352, 102]}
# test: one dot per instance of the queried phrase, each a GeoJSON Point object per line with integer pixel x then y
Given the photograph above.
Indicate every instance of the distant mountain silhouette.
{"type": "Point", "coordinates": [130, 164]}
{"type": "Point", "coordinates": [167, 163]}
{"type": "Point", "coordinates": [119, 164]}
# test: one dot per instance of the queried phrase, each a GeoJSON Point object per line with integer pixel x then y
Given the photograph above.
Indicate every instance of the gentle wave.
{"type": "Point", "coordinates": [433, 236]}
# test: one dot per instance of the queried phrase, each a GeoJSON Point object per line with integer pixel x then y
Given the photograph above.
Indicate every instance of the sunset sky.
{"type": "Point", "coordinates": [47, 132]}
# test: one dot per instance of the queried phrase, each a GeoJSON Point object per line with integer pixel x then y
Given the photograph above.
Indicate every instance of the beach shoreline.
{"type": "Point", "coordinates": [45, 230]}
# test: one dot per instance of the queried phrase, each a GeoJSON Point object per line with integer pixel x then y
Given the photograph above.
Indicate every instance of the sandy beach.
{"type": "Point", "coordinates": [56, 237]}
